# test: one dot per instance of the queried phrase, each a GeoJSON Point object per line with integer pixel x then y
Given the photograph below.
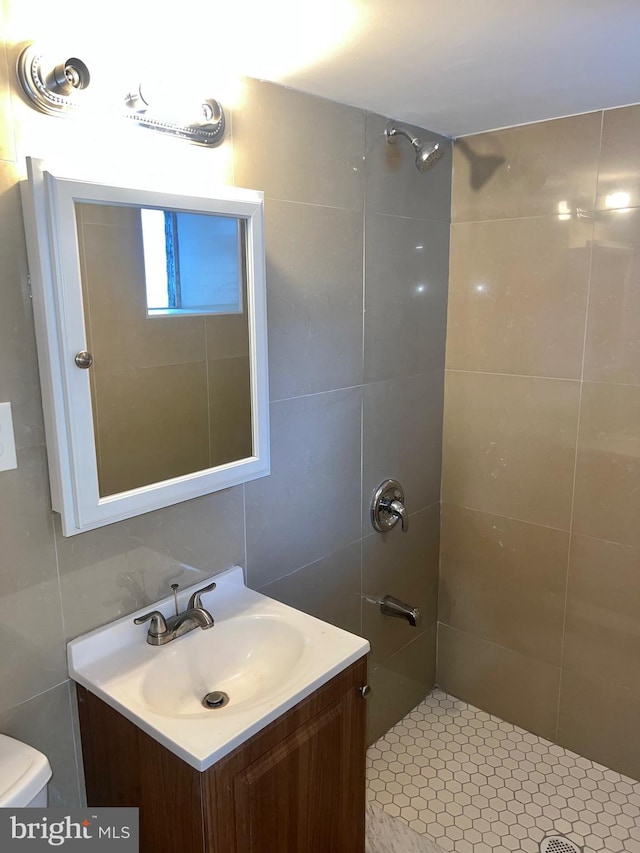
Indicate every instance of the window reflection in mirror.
{"type": "Point", "coordinates": [168, 331]}
{"type": "Point", "coordinates": [192, 261]}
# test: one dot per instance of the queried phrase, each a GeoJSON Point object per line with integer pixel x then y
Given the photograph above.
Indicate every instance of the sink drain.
{"type": "Point", "coordinates": [215, 699]}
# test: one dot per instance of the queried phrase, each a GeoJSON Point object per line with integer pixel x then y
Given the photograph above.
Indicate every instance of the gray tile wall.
{"type": "Point", "coordinates": [356, 374]}
{"type": "Point", "coordinates": [539, 584]}
{"type": "Point", "coordinates": [357, 272]}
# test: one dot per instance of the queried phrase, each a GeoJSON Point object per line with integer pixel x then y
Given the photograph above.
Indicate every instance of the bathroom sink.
{"type": "Point", "coordinates": [205, 693]}
{"type": "Point", "coordinates": [261, 655]}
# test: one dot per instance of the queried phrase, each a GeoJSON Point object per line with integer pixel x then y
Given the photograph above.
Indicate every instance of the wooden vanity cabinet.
{"type": "Point", "coordinates": [297, 786]}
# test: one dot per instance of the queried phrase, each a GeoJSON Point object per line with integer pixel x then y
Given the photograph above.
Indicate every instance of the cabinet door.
{"type": "Point", "coordinates": [303, 795]}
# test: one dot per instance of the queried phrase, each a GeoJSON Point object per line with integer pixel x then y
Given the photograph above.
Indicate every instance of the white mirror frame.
{"type": "Point", "coordinates": [52, 244]}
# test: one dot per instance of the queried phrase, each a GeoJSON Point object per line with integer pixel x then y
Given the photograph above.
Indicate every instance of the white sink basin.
{"type": "Point", "coordinates": [265, 656]}
{"type": "Point", "coordinates": [258, 655]}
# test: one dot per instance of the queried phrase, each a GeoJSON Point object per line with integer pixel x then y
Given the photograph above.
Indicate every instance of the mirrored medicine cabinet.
{"type": "Point", "coordinates": [151, 331]}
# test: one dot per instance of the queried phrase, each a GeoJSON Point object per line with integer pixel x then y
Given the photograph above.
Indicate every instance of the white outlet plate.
{"type": "Point", "coordinates": [7, 442]}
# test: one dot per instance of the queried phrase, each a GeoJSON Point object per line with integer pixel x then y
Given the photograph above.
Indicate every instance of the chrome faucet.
{"type": "Point", "coordinates": [162, 631]}
{"type": "Point", "coordinates": [390, 606]}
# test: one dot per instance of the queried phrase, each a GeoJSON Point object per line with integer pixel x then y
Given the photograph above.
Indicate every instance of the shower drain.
{"type": "Point", "coordinates": [558, 844]}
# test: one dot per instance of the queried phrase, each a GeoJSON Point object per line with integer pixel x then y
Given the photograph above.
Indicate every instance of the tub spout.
{"type": "Point", "coordinates": [390, 606]}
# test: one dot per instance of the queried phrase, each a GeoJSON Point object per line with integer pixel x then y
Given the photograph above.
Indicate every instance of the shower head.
{"type": "Point", "coordinates": [427, 153]}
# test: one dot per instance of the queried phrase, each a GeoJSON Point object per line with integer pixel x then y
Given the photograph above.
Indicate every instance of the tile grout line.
{"type": "Point", "coordinates": [444, 406]}
{"type": "Point", "coordinates": [364, 385]}
{"type": "Point", "coordinates": [37, 695]}
{"type": "Point", "coordinates": [442, 437]}
{"type": "Point", "coordinates": [271, 199]}
{"type": "Point", "coordinates": [535, 376]}
{"type": "Point", "coordinates": [76, 752]}
{"type": "Point", "coordinates": [363, 225]}
{"type": "Point", "coordinates": [244, 530]}
{"type": "Point", "coordinates": [77, 746]}
{"type": "Point", "coordinates": [206, 367]}
{"type": "Point", "coordinates": [496, 645]}
{"type": "Point", "coordinates": [514, 375]}
{"type": "Point", "coordinates": [575, 457]}
{"type": "Point", "coordinates": [59, 576]}
{"type": "Point", "coordinates": [361, 500]}
{"type": "Point", "coordinates": [590, 213]}
{"type": "Point", "coordinates": [361, 540]}
{"type": "Point", "coordinates": [507, 517]}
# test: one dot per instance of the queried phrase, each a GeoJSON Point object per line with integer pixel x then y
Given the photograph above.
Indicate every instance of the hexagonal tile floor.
{"type": "Point", "coordinates": [475, 784]}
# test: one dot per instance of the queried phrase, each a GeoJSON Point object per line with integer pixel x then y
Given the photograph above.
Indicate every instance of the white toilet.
{"type": "Point", "coordinates": [24, 774]}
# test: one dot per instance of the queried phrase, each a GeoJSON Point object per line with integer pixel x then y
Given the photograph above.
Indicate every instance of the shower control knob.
{"type": "Point", "coordinates": [387, 507]}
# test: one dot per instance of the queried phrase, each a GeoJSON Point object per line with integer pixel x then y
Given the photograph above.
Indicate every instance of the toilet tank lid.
{"type": "Point", "coordinates": [24, 772]}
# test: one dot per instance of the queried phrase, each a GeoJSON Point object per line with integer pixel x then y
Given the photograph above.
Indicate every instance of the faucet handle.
{"type": "Point", "coordinates": [398, 509]}
{"type": "Point", "coordinates": [387, 507]}
{"type": "Point", "coordinates": [158, 625]}
{"type": "Point", "coordinates": [194, 601]}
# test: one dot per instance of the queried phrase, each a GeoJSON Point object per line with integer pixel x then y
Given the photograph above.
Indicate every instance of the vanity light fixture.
{"type": "Point", "coordinates": [55, 89]}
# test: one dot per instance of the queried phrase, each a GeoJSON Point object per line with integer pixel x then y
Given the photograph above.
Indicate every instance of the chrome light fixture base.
{"type": "Point", "coordinates": [207, 130]}
{"type": "Point", "coordinates": [54, 88]}
{"type": "Point", "coordinates": [51, 89]}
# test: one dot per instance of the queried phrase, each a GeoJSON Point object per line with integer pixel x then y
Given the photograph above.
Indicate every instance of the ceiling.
{"type": "Point", "coordinates": [454, 66]}
{"type": "Point", "coordinates": [464, 66]}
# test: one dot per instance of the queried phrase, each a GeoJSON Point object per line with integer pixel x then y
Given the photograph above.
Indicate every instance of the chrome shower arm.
{"type": "Point", "coordinates": [399, 131]}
